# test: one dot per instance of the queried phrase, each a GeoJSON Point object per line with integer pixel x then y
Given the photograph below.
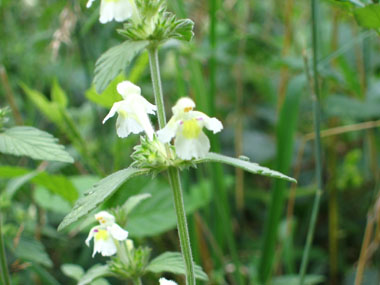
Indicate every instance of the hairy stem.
{"type": "Point", "coordinates": [318, 151]}
{"type": "Point", "coordinates": [3, 259]}
{"type": "Point", "coordinates": [182, 225]}
{"type": "Point", "coordinates": [174, 177]}
{"type": "Point", "coordinates": [157, 86]}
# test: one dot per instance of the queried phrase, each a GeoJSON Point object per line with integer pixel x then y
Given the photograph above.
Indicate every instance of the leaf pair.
{"type": "Point", "coordinates": [103, 190]}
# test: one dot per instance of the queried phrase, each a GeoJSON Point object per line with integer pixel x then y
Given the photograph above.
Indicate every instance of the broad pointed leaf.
{"type": "Point", "coordinates": [114, 60]}
{"type": "Point", "coordinates": [173, 262]}
{"type": "Point", "coordinates": [94, 273]}
{"type": "Point", "coordinates": [243, 164]}
{"type": "Point", "coordinates": [31, 142]}
{"type": "Point", "coordinates": [99, 193]}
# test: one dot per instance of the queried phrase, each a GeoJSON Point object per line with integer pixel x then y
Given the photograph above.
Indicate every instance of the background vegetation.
{"type": "Point", "coordinates": [246, 66]}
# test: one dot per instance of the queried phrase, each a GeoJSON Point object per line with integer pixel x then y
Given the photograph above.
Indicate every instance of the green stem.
{"type": "Point", "coordinates": [157, 86]}
{"type": "Point", "coordinates": [175, 183]}
{"type": "Point", "coordinates": [137, 281]}
{"type": "Point", "coordinates": [174, 177]}
{"type": "Point", "coordinates": [3, 259]}
{"type": "Point", "coordinates": [318, 151]}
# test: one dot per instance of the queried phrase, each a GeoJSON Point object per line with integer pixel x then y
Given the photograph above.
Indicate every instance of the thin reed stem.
{"type": "Point", "coordinates": [174, 176]}
{"type": "Point", "coordinates": [318, 148]}
{"type": "Point", "coordinates": [3, 259]}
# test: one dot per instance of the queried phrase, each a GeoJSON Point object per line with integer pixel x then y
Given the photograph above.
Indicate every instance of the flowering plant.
{"type": "Point", "coordinates": [147, 25]}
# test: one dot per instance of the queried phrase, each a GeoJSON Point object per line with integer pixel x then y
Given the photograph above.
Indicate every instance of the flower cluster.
{"type": "Point", "coordinates": [185, 126]}
{"type": "Point", "coordinates": [145, 20]}
{"type": "Point", "coordinates": [131, 261]}
{"type": "Point", "coordinates": [106, 234]}
{"type": "Point", "coordinates": [118, 10]}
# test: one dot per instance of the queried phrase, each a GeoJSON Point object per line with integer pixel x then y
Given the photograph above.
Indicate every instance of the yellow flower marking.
{"type": "Point", "coordinates": [123, 113]}
{"type": "Point", "coordinates": [191, 129]}
{"type": "Point", "coordinates": [101, 235]}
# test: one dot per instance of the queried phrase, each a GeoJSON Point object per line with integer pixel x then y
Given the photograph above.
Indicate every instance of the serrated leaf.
{"type": "Point", "coordinates": [94, 273]}
{"type": "Point", "coordinates": [173, 262]}
{"type": "Point", "coordinates": [368, 16]}
{"type": "Point", "coordinates": [99, 193]}
{"type": "Point", "coordinates": [72, 270]}
{"type": "Point", "coordinates": [34, 143]}
{"type": "Point", "coordinates": [113, 61]}
{"type": "Point", "coordinates": [245, 165]}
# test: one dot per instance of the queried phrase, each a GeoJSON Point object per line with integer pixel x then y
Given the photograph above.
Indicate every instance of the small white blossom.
{"type": "Point", "coordinates": [105, 234]}
{"type": "Point", "coordinates": [118, 10]}
{"type": "Point", "coordinates": [186, 126]}
{"type": "Point", "coordinates": [164, 281]}
{"type": "Point", "coordinates": [133, 111]}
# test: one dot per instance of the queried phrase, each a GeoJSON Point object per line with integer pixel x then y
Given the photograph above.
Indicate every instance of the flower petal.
{"type": "Point", "coordinates": [127, 125]}
{"type": "Point", "coordinates": [147, 125]}
{"type": "Point", "coordinates": [106, 247]}
{"type": "Point", "coordinates": [117, 232]}
{"type": "Point", "coordinates": [164, 281]}
{"type": "Point", "coordinates": [91, 235]}
{"type": "Point", "coordinates": [89, 3]}
{"type": "Point", "coordinates": [214, 125]}
{"type": "Point", "coordinates": [191, 148]}
{"type": "Point", "coordinates": [126, 88]}
{"type": "Point", "coordinates": [183, 105]}
{"type": "Point", "coordinates": [106, 11]}
{"type": "Point", "coordinates": [168, 132]}
{"type": "Point", "coordinates": [115, 107]}
{"type": "Point", "coordinates": [123, 10]}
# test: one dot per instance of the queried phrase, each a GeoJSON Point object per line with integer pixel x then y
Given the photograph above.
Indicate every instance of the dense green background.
{"type": "Point", "coordinates": [246, 67]}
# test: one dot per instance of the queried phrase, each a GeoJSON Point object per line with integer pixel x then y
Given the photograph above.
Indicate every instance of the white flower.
{"type": "Point", "coordinates": [105, 235]}
{"type": "Point", "coordinates": [186, 125]}
{"type": "Point", "coordinates": [164, 281]}
{"type": "Point", "coordinates": [120, 10]}
{"type": "Point", "coordinates": [133, 111]}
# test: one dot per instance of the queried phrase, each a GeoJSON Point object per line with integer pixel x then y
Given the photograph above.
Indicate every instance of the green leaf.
{"type": "Point", "coordinates": [13, 171]}
{"type": "Point", "coordinates": [245, 165]}
{"type": "Point", "coordinates": [368, 16]}
{"type": "Point", "coordinates": [99, 193]}
{"type": "Point", "coordinates": [72, 270]}
{"type": "Point", "coordinates": [32, 250]}
{"type": "Point", "coordinates": [94, 273]}
{"type": "Point", "coordinates": [113, 61]}
{"type": "Point", "coordinates": [31, 142]}
{"type": "Point", "coordinates": [133, 201]}
{"type": "Point", "coordinates": [49, 109]}
{"type": "Point", "coordinates": [183, 30]}
{"type": "Point", "coordinates": [157, 214]}
{"type": "Point", "coordinates": [109, 95]}
{"type": "Point", "coordinates": [58, 95]}
{"type": "Point", "coordinates": [173, 262]}
{"type": "Point", "coordinates": [57, 184]}
{"type": "Point", "coordinates": [295, 280]}
{"type": "Point", "coordinates": [45, 276]}
{"type": "Point", "coordinates": [351, 108]}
